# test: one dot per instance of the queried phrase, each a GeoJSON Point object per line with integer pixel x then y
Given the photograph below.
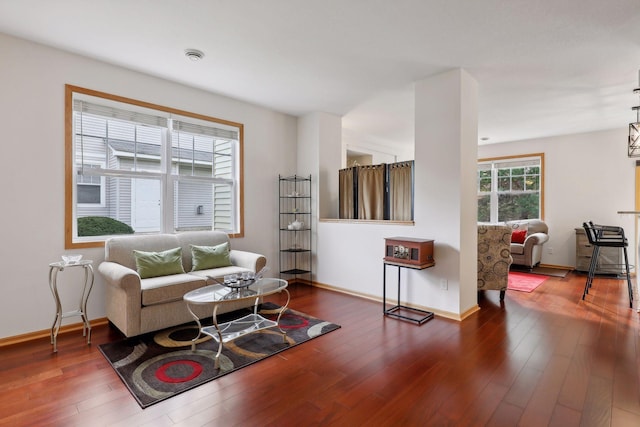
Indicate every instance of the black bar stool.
{"type": "Point", "coordinates": [611, 237]}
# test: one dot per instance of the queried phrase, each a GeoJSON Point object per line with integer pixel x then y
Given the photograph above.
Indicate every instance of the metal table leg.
{"type": "Point", "coordinates": [54, 268]}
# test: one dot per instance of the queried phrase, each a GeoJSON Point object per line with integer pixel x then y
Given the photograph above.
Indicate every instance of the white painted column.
{"type": "Point", "coordinates": [446, 147]}
{"type": "Point", "coordinates": [319, 155]}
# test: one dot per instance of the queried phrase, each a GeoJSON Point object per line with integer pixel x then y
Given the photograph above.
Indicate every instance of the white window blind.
{"type": "Point", "coordinates": [158, 171]}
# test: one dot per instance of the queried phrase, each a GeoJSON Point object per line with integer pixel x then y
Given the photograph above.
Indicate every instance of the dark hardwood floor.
{"type": "Point", "coordinates": [544, 358]}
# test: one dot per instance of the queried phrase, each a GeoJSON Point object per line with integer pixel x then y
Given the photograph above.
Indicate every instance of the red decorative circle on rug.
{"type": "Point", "coordinates": [163, 375]}
{"type": "Point", "coordinates": [292, 321]}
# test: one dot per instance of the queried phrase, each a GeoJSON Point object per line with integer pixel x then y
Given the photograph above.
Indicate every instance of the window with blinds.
{"type": "Point", "coordinates": [155, 169]}
{"type": "Point", "coordinates": [510, 188]}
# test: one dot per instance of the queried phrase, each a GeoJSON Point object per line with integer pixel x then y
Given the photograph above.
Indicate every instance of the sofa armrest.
{"type": "Point", "coordinates": [535, 239]}
{"type": "Point", "coordinates": [250, 260]}
{"type": "Point", "coordinates": [120, 276]}
{"type": "Point", "coordinates": [123, 297]}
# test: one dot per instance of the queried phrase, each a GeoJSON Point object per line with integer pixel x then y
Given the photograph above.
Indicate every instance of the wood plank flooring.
{"type": "Point", "coordinates": [541, 359]}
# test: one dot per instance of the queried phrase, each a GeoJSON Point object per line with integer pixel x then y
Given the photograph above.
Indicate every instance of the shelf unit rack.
{"type": "Point", "coordinates": [295, 228]}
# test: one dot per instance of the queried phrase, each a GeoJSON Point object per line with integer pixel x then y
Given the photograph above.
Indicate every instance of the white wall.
{"type": "Point", "coordinates": [319, 154]}
{"type": "Point", "coordinates": [32, 79]}
{"type": "Point", "coordinates": [380, 151]}
{"type": "Point", "coordinates": [349, 256]}
{"type": "Point", "coordinates": [587, 177]}
{"type": "Point", "coordinates": [377, 153]}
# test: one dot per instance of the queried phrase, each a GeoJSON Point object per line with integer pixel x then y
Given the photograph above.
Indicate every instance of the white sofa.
{"type": "Point", "coordinates": [136, 306]}
{"type": "Point", "coordinates": [529, 253]}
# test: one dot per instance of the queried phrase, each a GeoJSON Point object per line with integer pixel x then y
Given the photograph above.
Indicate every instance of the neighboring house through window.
{"type": "Point", "coordinates": [153, 168]}
{"type": "Point", "coordinates": [511, 188]}
{"type": "Point", "coordinates": [90, 188]}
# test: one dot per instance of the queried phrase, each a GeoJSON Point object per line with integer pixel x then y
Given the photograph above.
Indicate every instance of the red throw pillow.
{"type": "Point", "coordinates": [518, 236]}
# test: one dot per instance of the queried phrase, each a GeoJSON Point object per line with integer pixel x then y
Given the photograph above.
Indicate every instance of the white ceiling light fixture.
{"type": "Point", "coordinates": [194, 55]}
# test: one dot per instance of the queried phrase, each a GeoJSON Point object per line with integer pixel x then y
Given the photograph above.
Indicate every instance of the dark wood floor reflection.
{"type": "Point", "coordinates": [545, 358]}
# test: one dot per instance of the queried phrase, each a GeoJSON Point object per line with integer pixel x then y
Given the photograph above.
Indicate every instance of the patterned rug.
{"type": "Point", "coordinates": [524, 282]}
{"type": "Point", "coordinates": [159, 365]}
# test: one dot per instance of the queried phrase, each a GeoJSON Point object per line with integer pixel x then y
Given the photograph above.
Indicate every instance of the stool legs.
{"type": "Point", "coordinates": [629, 286]}
{"type": "Point", "coordinates": [592, 270]}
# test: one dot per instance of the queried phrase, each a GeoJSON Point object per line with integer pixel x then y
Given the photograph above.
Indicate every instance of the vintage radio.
{"type": "Point", "coordinates": [410, 252]}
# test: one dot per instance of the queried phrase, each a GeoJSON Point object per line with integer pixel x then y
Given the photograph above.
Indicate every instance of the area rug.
{"type": "Point", "coordinates": [524, 282]}
{"type": "Point", "coordinates": [160, 365]}
{"type": "Point", "coordinates": [544, 271]}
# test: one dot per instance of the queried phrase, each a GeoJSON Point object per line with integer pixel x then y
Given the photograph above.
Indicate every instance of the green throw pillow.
{"type": "Point", "coordinates": [205, 257]}
{"type": "Point", "coordinates": [154, 264]}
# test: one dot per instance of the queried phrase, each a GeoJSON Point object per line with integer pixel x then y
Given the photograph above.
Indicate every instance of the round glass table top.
{"type": "Point", "coordinates": [218, 293]}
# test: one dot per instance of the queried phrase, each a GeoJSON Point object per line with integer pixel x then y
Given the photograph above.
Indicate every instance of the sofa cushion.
{"type": "Point", "coordinates": [205, 257]}
{"type": "Point", "coordinates": [163, 289]}
{"type": "Point", "coordinates": [517, 248]}
{"type": "Point", "coordinates": [532, 225]}
{"type": "Point", "coordinates": [218, 273]}
{"type": "Point", "coordinates": [200, 238]}
{"type": "Point", "coordinates": [153, 264]}
{"type": "Point", "coordinates": [518, 236]}
{"type": "Point", "coordinates": [119, 249]}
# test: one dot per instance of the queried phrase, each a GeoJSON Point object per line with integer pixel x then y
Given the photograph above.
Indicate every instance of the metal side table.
{"type": "Point", "coordinates": [397, 309]}
{"type": "Point", "coordinates": [56, 267]}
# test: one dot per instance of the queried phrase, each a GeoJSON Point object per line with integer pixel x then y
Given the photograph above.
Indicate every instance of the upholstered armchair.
{"type": "Point", "coordinates": [527, 251]}
{"type": "Point", "coordinates": [494, 257]}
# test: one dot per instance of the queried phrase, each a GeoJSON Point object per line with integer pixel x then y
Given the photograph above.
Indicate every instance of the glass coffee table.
{"type": "Point", "coordinates": [219, 295]}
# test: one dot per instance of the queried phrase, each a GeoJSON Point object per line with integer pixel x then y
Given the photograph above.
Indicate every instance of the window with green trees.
{"type": "Point", "coordinates": [510, 188]}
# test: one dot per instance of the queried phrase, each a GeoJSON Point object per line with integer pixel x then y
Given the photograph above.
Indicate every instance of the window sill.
{"type": "Point", "coordinates": [367, 221]}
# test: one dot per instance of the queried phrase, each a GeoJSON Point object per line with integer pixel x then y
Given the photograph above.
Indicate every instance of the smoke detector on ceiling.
{"type": "Point", "coordinates": [194, 54]}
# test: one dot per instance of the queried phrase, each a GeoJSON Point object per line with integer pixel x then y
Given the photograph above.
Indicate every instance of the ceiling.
{"type": "Point", "coordinates": [543, 68]}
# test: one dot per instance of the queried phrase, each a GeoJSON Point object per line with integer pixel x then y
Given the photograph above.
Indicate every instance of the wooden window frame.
{"type": "Point", "coordinates": [524, 156]}
{"type": "Point", "coordinates": [70, 90]}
